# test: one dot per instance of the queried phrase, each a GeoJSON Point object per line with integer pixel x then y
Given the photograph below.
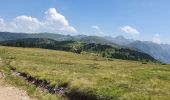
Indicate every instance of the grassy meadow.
{"type": "Point", "coordinates": [106, 78]}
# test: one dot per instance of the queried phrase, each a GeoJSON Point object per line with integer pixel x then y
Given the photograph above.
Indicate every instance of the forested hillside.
{"type": "Point", "coordinates": [79, 47]}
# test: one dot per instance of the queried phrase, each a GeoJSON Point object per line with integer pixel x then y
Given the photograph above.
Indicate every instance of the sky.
{"type": "Point", "coordinates": [147, 20]}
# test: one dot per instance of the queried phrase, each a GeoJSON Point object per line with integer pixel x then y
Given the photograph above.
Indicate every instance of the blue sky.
{"type": "Point", "coordinates": [138, 19]}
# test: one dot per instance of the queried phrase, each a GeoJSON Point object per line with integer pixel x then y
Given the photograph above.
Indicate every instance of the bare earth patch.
{"type": "Point", "coordinates": [9, 92]}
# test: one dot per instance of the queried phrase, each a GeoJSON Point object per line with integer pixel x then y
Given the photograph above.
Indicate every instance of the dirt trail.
{"type": "Point", "coordinates": [9, 92]}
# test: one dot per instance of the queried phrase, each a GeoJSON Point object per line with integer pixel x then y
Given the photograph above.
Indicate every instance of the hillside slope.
{"type": "Point", "coordinates": [158, 51]}
{"type": "Point", "coordinates": [78, 47]}
{"type": "Point", "coordinates": [91, 76]}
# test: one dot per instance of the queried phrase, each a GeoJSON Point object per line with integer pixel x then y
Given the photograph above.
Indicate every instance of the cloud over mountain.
{"type": "Point", "coordinates": [53, 22]}
{"type": "Point", "coordinates": [130, 30]}
{"type": "Point", "coordinates": [156, 39]}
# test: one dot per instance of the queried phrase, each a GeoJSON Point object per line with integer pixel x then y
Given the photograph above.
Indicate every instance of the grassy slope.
{"type": "Point", "coordinates": [77, 47]}
{"type": "Point", "coordinates": [14, 80]}
{"type": "Point", "coordinates": [118, 79]}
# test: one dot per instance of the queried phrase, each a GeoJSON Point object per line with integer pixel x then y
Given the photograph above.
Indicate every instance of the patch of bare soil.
{"type": "Point", "coordinates": [9, 92]}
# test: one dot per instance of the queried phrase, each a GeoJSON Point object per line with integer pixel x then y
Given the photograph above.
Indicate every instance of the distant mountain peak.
{"type": "Point", "coordinates": [120, 40]}
{"type": "Point", "coordinates": [158, 51]}
{"type": "Point", "coordinates": [120, 37]}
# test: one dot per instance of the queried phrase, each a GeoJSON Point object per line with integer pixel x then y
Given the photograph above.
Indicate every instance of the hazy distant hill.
{"type": "Point", "coordinates": [13, 36]}
{"type": "Point", "coordinates": [158, 51]}
{"type": "Point", "coordinates": [120, 40]}
{"type": "Point", "coordinates": [96, 39]}
{"type": "Point", "coordinates": [88, 39]}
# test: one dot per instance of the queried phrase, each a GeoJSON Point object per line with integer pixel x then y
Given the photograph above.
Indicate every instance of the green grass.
{"type": "Point", "coordinates": [117, 79]}
{"type": "Point", "coordinates": [32, 91]}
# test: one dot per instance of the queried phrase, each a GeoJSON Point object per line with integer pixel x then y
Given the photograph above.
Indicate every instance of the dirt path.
{"type": "Point", "coordinates": [9, 92]}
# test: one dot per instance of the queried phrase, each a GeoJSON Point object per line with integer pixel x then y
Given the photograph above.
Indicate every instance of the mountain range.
{"type": "Point", "coordinates": [158, 51]}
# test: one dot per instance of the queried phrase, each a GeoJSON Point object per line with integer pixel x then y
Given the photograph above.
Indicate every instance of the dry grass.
{"type": "Point", "coordinates": [118, 79]}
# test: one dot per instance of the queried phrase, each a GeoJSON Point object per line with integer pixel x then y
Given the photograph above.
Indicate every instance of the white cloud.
{"type": "Point", "coordinates": [1, 21]}
{"type": "Point", "coordinates": [56, 22]}
{"type": "Point", "coordinates": [156, 39]}
{"type": "Point", "coordinates": [98, 30]}
{"type": "Point", "coordinates": [52, 22]}
{"type": "Point", "coordinates": [130, 30]}
{"type": "Point", "coordinates": [2, 24]}
{"type": "Point", "coordinates": [26, 24]}
{"type": "Point", "coordinates": [95, 27]}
